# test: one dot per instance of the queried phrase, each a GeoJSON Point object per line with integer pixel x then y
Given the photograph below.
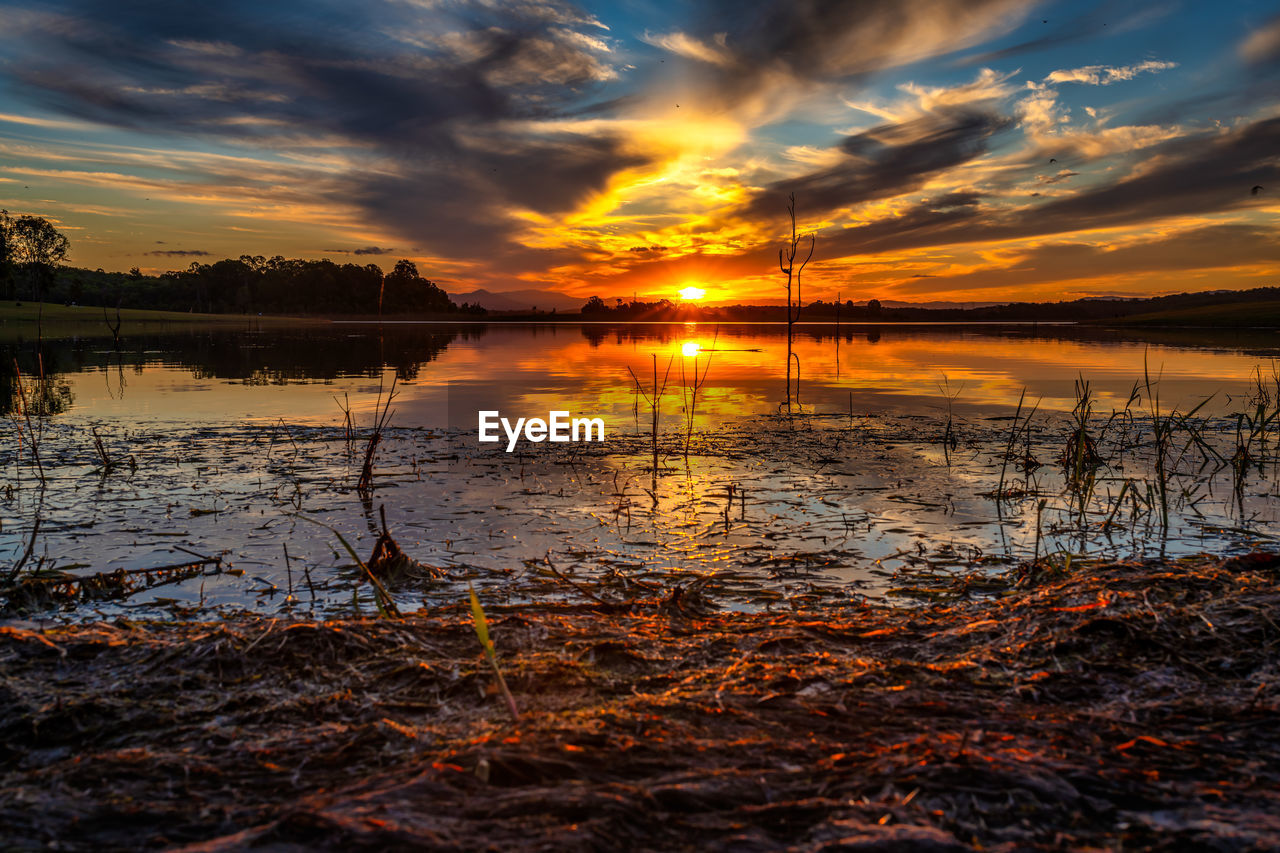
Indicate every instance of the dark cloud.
{"type": "Point", "coordinates": [1058, 178]}
{"type": "Point", "coordinates": [180, 253]}
{"type": "Point", "coordinates": [888, 160]}
{"type": "Point", "coordinates": [1198, 174]}
{"type": "Point", "coordinates": [442, 112]}
{"type": "Point", "coordinates": [838, 39]}
{"type": "Point", "coordinates": [1210, 247]}
{"type": "Point", "coordinates": [1201, 173]}
{"type": "Point", "coordinates": [422, 98]}
{"type": "Point", "coordinates": [554, 174]}
{"type": "Point", "coordinates": [367, 250]}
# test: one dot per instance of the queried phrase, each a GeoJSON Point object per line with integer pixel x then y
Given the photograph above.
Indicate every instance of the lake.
{"type": "Point", "coordinates": [899, 459]}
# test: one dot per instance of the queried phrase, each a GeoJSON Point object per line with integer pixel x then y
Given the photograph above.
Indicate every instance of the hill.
{"type": "Point", "coordinates": [1265, 314]}
{"type": "Point", "coordinates": [519, 300]}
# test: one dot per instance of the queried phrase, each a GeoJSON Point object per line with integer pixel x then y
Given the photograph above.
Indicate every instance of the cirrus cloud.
{"type": "Point", "coordinates": [1105, 75]}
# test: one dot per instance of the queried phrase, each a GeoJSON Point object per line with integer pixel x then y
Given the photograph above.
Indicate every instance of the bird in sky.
{"type": "Point", "coordinates": [1256, 190]}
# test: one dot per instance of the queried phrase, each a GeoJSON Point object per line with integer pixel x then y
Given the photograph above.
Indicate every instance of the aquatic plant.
{"type": "Point", "coordinates": [1017, 427]}
{"type": "Point", "coordinates": [33, 431]}
{"type": "Point", "coordinates": [1081, 451]}
{"type": "Point", "coordinates": [107, 463]}
{"type": "Point", "coordinates": [385, 603]}
{"type": "Point", "coordinates": [348, 424]}
{"type": "Point", "coordinates": [381, 418]}
{"type": "Point", "coordinates": [655, 402]}
{"type": "Point", "coordinates": [950, 440]}
{"type": "Point", "coordinates": [690, 391]}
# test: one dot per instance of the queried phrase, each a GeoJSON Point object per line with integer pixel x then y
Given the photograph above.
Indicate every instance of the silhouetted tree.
{"type": "Point", "coordinates": [405, 290]}
{"type": "Point", "coordinates": [787, 263]}
{"type": "Point", "coordinates": [250, 283]}
{"type": "Point", "coordinates": [8, 281]}
{"type": "Point", "coordinates": [39, 247]}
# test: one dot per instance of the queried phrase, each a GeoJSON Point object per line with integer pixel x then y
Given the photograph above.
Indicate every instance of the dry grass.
{"type": "Point", "coordinates": [1128, 705]}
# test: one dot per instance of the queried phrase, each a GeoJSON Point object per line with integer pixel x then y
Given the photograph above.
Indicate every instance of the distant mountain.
{"type": "Point", "coordinates": [519, 300]}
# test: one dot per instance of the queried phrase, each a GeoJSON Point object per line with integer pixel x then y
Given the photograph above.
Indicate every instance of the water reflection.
{"type": "Point", "coordinates": [866, 368]}
{"type": "Point", "coordinates": [229, 434]}
{"type": "Point", "coordinates": [32, 386]}
{"type": "Point", "coordinates": [282, 357]}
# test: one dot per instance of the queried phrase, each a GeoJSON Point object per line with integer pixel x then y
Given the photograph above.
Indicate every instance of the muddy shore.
{"type": "Point", "coordinates": [1118, 706]}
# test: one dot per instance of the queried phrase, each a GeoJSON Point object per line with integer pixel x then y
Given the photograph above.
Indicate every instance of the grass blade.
{"type": "Point", "coordinates": [482, 633]}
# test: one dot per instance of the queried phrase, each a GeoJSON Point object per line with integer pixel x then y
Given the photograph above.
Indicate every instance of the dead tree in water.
{"type": "Point", "coordinates": [787, 263]}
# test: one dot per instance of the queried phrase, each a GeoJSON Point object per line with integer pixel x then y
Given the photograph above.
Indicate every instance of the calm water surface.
{"type": "Point", "coordinates": [226, 441]}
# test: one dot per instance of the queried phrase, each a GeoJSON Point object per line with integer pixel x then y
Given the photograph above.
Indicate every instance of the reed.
{"type": "Point", "coordinates": [16, 568]}
{"type": "Point", "coordinates": [689, 390]}
{"type": "Point", "coordinates": [1080, 457]}
{"type": "Point", "coordinates": [1040, 505]}
{"type": "Point", "coordinates": [654, 401]}
{"type": "Point", "coordinates": [1019, 426]}
{"type": "Point", "coordinates": [104, 459]}
{"type": "Point", "coordinates": [348, 423]}
{"type": "Point", "coordinates": [385, 603]}
{"type": "Point", "coordinates": [31, 434]}
{"type": "Point", "coordinates": [1162, 429]}
{"type": "Point", "coordinates": [1081, 453]}
{"type": "Point", "coordinates": [1251, 430]}
{"type": "Point", "coordinates": [382, 413]}
{"type": "Point", "coordinates": [950, 438]}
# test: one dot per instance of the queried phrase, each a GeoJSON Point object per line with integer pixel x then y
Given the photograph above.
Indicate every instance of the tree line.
{"type": "Point", "coordinates": [664, 309]}
{"type": "Point", "coordinates": [1082, 310]}
{"type": "Point", "coordinates": [32, 251]}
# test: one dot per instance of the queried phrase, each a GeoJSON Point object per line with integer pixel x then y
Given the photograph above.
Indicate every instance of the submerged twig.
{"type": "Point", "coordinates": [386, 604]}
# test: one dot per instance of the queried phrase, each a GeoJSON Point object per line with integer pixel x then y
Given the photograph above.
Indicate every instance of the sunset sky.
{"type": "Point", "coordinates": [941, 149]}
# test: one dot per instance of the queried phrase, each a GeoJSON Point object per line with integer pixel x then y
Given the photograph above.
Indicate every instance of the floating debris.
{"type": "Point", "coordinates": [49, 588]}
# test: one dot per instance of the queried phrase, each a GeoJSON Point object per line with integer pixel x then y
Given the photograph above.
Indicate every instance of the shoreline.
{"type": "Point", "coordinates": [57, 315]}
{"type": "Point", "coordinates": [1128, 704]}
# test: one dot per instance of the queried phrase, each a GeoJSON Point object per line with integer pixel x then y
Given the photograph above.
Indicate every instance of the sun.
{"type": "Point", "coordinates": [692, 293]}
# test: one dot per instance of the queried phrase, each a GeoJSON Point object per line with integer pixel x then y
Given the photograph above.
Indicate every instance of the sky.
{"type": "Point", "coordinates": [962, 150]}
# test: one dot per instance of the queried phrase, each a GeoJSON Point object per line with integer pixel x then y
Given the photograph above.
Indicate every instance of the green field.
{"type": "Point", "coordinates": [1237, 315]}
{"type": "Point", "coordinates": [20, 320]}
